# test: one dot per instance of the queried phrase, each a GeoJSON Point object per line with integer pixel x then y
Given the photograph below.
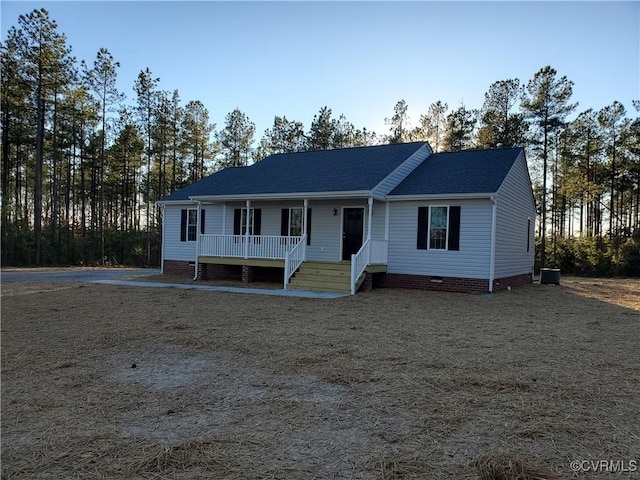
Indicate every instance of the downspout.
{"type": "Point", "coordinates": [370, 204]}
{"type": "Point", "coordinates": [387, 207]}
{"type": "Point", "coordinates": [369, 220]}
{"type": "Point", "coordinates": [196, 265]}
{"type": "Point", "coordinates": [162, 240]}
{"type": "Point", "coordinates": [492, 258]}
{"type": "Point", "coordinates": [387, 215]}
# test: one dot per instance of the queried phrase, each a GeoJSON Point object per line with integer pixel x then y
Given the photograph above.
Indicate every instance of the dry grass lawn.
{"type": "Point", "coordinates": [141, 383]}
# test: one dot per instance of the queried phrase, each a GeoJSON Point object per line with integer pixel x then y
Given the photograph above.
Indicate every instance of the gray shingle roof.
{"type": "Point", "coordinates": [359, 169]}
{"type": "Point", "coordinates": [340, 170]}
{"type": "Point", "coordinates": [469, 171]}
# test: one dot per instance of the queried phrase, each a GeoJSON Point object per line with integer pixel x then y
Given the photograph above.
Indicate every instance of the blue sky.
{"type": "Point", "coordinates": [358, 58]}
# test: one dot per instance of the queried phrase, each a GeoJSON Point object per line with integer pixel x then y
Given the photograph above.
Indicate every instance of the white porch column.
{"type": "Point", "coordinates": [370, 204]}
{"type": "Point", "coordinates": [305, 206]}
{"type": "Point", "coordinates": [246, 230]}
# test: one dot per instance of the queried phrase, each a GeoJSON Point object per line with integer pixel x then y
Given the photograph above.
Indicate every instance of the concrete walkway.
{"type": "Point", "coordinates": [70, 274]}
{"type": "Point", "coordinates": [212, 288]}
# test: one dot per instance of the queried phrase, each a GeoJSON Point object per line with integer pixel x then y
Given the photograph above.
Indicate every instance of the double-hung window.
{"type": "Point", "coordinates": [243, 223]}
{"type": "Point", "coordinates": [295, 222]}
{"type": "Point", "coordinates": [189, 224]}
{"type": "Point", "coordinates": [438, 227]}
{"type": "Point", "coordinates": [292, 221]}
{"type": "Point", "coordinates": [240, 221]}
{"type": "Point", "coordinates": [192, 224]}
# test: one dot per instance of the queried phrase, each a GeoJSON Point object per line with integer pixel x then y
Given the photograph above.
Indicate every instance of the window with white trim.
{"type": "Point", "coordinates": [438, 227]}
{"type": "Point", "coordinates": [295, 222]}
{"type": "Point", "coordinates": [243, 223]}
{"type": "Point", "coordinates": [192, 224]}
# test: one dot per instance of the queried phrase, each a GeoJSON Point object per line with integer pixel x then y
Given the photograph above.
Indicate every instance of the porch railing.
{"type": "Point", "coordinates": [372, 251]}
{"type": "Point", "coordinates": [359, 262]}
{"type": "Point", "coordinates": [252, 246]}
{"type": "Point", "coordinates": [294, 258]}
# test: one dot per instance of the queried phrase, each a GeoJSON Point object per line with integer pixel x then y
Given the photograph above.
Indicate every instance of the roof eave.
{"type": "Point", "coordinates": [441, 196]}
{"type": "Point", "coordinates": [186, 201]}
{"type": "Point", "coordinates": [283, 196]}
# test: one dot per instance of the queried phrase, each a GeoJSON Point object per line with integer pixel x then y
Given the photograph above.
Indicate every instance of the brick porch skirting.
{"type": "Point", "coordinates": [212, 271]}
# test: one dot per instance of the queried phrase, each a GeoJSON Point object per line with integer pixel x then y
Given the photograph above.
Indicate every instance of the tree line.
{"type": "Point", "coordinates": [82, 168]}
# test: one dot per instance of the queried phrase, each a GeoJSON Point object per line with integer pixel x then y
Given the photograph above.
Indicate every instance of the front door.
{"type": "Point", "coordinates": [352, 231]}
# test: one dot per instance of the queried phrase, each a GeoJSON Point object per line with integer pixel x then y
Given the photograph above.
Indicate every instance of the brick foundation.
{"type": "Point", "coordinates": [367, 283]}
{"type": "Point", "coordinates": [179, 268]}
{"type": "Point", "coordinates": [449, 284]}
{"type": "Point", "coordinates": [247, 274]}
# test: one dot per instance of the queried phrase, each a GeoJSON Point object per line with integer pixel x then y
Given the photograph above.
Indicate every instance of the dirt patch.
{"type": "Point", "coordinates": [619, 291]}
{"type": "Point", "coordinates": [105, 381]}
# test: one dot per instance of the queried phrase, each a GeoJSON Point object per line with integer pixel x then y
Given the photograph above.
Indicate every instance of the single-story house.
{"type": "Point", "coordinates": [395, 215]}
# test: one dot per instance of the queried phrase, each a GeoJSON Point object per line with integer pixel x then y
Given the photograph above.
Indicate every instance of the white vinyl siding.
{"type": "Point", "coordinates": [471, 261]}
{"type": "Point", "coordinates": [173, 248]}
{"type": "Point", "coordinates": [326, 228]}
{"type": "Point", "coordinates": [514, 210]}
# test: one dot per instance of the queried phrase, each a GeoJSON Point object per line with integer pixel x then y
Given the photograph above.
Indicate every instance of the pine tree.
{"type": "Point", "coordinates": [283, 137]}
{"type": "Point", "coordinates": [500, 125]}
{"type": "Point", "coordinates": [236, 139]}
{"type": "Point", "coordinates": [343, 133]}
{"type": "Point", "coordinates": [460, 127]}
{"type": "Point", "coordinates": [18, 135]}
{"type": "Point", "coordinates": [432, 126]}
{"type": "Point", "coordinates": [321, 131]}
{"type": "Point", "coordinates": [583, 169]}
{"type": "Point", "coordinates": [546, 105]}
{"type": "Point", "coordinates": [175, 120]}
{"type": "Point", "coordinates": [102, 80]}
{"type": "Point", "coordinates": [398, 124]}
{"type": "Point", "coordinates": [613, 121]}
{"type": "Point", "coordinates": [196, 137]}
{"type": "Point", "coordinates": [45, 60]}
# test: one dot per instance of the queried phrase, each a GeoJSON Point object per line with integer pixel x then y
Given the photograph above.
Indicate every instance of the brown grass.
{"type": "Point", "coordinates": [385, 385]}
{"type": "Point", "coordinates": [506, 467]}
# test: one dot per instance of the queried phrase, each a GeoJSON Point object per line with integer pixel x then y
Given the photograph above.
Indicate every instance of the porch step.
{"type": "Point", "coordinates": [324, 277]}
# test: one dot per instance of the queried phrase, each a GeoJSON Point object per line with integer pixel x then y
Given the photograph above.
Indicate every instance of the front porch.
{"type": "Point", "coordinates": [346, 232]}
{"type": "Point", "coordinates": [289, 253]}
